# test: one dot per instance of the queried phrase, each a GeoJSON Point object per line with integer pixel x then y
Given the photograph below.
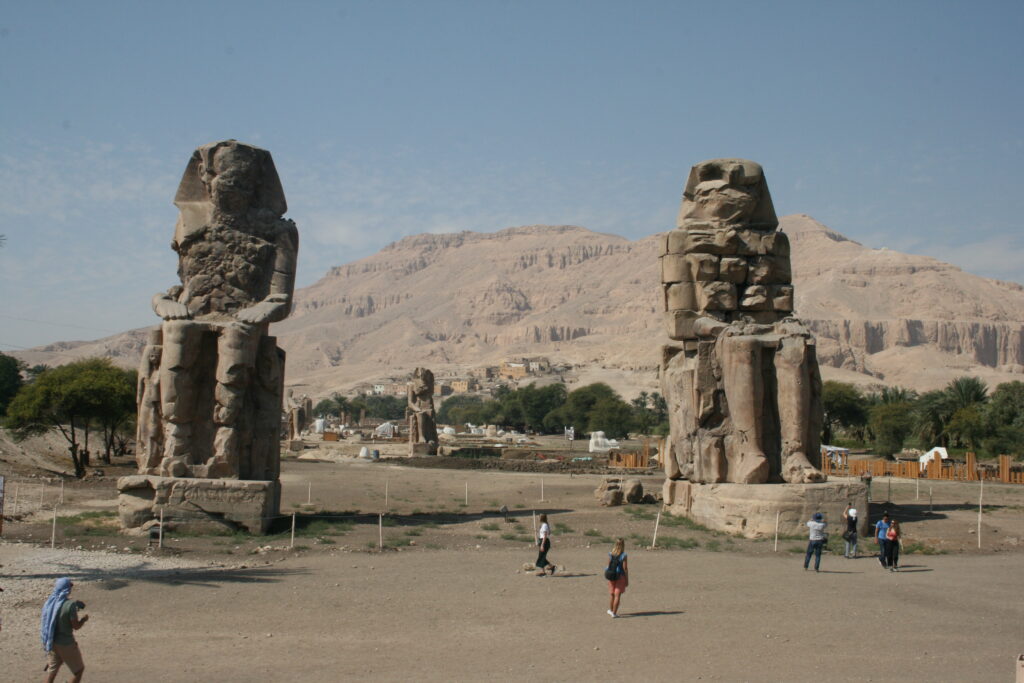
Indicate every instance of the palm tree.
{"type": "Point", "coordinates": [932, 413]}
{"type": "Point", "coordinates": [966, 391]}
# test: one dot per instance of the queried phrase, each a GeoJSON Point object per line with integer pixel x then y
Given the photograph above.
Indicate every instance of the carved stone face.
{"type": "Point", "coordinates": [728, 192]}
{"type": "Point", "coordinates": [233, 179]}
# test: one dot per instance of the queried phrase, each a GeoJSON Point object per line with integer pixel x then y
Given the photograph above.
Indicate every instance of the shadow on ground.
{"type": "Point", "coordinates": [204, 577]}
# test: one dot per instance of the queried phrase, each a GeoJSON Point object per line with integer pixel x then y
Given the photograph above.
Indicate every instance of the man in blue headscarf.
{"type": "Point", "coordinates": [59, 622]}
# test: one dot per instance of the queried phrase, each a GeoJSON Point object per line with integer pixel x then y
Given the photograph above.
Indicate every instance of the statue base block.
{"type": "Point", "coordinates": [751, 510]}
{"type": "Point", "coordinates": [198, 504]}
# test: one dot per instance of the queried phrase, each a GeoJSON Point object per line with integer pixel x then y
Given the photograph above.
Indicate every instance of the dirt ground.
{"type": "Point", "coordinates": [449, 598]}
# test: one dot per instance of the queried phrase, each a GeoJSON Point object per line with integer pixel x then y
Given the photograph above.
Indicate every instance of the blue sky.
{"type": "Point", "coordinates": [897, 124]}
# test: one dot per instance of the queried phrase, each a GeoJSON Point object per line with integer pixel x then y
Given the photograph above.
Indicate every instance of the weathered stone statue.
{"type": "Point", "coordinates": [218, 375]}
{"type": "Point", "coordinates": [300, 415]}
{"type": "Point", "coordinates": [420, 411]}
{"type": "Point", "coordinates": [740, 375]}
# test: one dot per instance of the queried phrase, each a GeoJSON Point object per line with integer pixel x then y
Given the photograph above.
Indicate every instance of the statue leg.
{"type": "Point", "coordinates": [744, 392]}
{"type": "Point", "coordinates": [236, 360]}
{"type": "Point", "coordinates": [792, 369]}
{"type": "Point", "coordinates": [178, 394]}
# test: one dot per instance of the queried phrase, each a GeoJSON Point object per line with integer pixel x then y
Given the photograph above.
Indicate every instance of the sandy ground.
{"type": "Point", "coordinates": [453, 602]}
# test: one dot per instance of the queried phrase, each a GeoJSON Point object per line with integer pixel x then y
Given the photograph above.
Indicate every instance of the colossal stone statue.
{"type": "Point", "coordinates": [420, 411]}
{"type": "Point", "coordinates": [740, 374]}
{"type": "Point", "coordinates": [212, 380]}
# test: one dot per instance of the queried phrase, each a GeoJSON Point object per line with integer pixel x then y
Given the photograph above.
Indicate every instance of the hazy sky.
{"type": "Point", "coordinates": [895, 123]}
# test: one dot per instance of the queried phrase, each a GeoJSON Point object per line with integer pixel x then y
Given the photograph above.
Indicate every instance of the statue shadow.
{"type": "Point", "coordinates": [653, 613]}
{"type": "Point", "coordinates": [201, 577]}
{"type": "Point", "coordinates": [913, 512]}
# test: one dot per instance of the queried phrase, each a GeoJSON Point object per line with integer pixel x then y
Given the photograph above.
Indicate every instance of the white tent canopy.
{"type": "Point", "coordinates": [386, 430]}
{"type": "Point", "coordinates": [937, 452]}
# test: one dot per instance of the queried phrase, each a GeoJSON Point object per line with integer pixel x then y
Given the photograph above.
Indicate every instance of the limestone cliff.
{"type": "Point", "coordinates": [457, 300]}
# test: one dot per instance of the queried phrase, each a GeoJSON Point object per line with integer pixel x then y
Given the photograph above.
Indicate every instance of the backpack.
{"type": "Point", "coordinates": [614, 567]}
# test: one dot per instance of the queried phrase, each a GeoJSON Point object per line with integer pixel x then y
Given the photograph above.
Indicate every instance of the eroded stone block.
{"type": "Point", "coordinates": [716, 296]}
{"type": "Point", "coordinates": [680, 296]}
{"type": "Point", "coordinates": [733, 269]}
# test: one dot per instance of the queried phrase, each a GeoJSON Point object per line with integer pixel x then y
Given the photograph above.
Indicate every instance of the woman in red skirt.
{"type": "Point", "coordinates": [619, 566]}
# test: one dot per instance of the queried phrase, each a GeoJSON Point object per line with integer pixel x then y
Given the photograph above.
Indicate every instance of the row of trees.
{"type": "Point", "coordinates": [962, 415]}
{"type": "Point", "coordinates": [74, 400]}
{"type": "Point", "coordinates": [549, 409]}
{"type": "Point", "coordinates": [384, 407]}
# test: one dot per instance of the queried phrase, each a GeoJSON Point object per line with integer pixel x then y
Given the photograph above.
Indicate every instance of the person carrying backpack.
{"type": "Point", "coordinates": [617, 574]}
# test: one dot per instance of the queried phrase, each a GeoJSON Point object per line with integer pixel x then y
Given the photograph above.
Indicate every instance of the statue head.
{"type": "Point", "coordinates": [727, 193]}
{"type": "Point", "coordinates": [224, 182]}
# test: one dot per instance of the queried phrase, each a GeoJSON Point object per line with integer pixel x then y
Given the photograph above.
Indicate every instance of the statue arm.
{"type": "Point", "coordinates": [278, 304]}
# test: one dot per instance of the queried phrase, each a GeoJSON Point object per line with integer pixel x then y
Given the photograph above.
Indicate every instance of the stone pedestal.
{"type": "Point", "coordinates": [199, 504]}
{"type": "Point", "coordinates": [751, 511]}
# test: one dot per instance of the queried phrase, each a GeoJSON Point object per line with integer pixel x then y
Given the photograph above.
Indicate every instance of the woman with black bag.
{"type": "Point", "coordinates": [617, 574]}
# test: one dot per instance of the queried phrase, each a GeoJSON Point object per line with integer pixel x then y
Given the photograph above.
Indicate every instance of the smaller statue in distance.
{"type": "Point", "coordinates": [420, 412]}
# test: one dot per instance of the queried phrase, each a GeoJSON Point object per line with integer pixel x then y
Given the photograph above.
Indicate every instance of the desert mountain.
{"type": "Point", "coordinates": [455, 301]}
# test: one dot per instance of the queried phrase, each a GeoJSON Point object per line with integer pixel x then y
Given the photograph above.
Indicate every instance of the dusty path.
{"type": "Point", "coordinates": [469, 616]}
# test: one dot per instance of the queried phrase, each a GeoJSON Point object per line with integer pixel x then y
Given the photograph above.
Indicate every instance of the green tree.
{"type": "Point", "coordinates": [383, 407]}
{"type": "Point", "coordinates": [845, 407]}
{"type": "Point", "coordinates": [891, 424]}
{"type": "Point", "coordinates": [1006, 405]}
{"type": "Point", "coordinates": [932, 412]}
{"type": "Point", "coordinates": [70, 398]}
{"type": "Point", "coordinates": [579, 404]}
{"type": "Point", "coordinates": [968, 427]}
{"type": "Point", "coordinates": [459, 409]}
{"type": "Point", "coordinates": [966, 391]}
{"type": "Point", "coordinates": [536, 403]}
{"type": "Point", "coordinates": [10, 380]}
{"type": "Point", "coordinates": [613, 416]}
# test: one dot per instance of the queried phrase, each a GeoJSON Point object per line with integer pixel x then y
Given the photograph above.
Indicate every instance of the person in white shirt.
{"type": "Point", "coordinates": [816, 540]}
{"type": "Point", "coordinates": [544, 545]}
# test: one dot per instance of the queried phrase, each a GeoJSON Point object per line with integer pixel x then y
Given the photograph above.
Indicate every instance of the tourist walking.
{"type": "Point", "coordinates": [850, 535]}
{"type": "Point", "coordinates": [544, 545]}
{"type": "Point", "coordinates": [617, 574]}
{"type": "Point", "coordinates": [815, 540]}
{"type": "Point", "coordinates": [881, 531]}
{"type": "Point", "coordinates": [59, 622]}
{"type": "Point", "coordinates": [893, 538]}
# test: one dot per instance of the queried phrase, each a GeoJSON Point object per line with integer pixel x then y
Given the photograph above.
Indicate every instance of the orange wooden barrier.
{"type": "Point", "coordinates": [935, 469]}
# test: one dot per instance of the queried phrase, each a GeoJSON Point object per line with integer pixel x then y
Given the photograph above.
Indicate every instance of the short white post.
{"type": "Point", "coordinates": [292, 544]}
{"type": "Point", "coordinates": [160, 536]}
{"type": "Point", "coordinates": [534, 523]}
{"type": "Point", "coordinates": [467, 492]}
{"type": "Point", "coordinates": [309, 494]}
{"type": "Point", "coordinates": [61, 491]}
{"type": "Point", "coordinates": [981, 494]}
{"type": "Point", "coordinates": [380, 532]}
{"type": "Point", "coordinates": [777, 514]}
{"type": "Point", "coordinates": [53, 531]}
{"type": "Point", "coordinates": [542, 490]}
{"type": "Point", "coordinates": [654, 541]}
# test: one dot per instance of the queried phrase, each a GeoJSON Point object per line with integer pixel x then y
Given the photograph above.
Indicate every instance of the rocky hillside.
{"type": "Point", "coordinates": [459, 300]}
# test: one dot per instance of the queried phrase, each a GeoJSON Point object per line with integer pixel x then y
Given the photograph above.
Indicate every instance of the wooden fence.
{"type": "Point", "coordinates": [936, 469]}
{"type": "Point", "coordinates": [640, 459]}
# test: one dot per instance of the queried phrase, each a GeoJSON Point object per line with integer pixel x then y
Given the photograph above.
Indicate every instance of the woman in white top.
{"type": "Point", "coordinates": [544, 544]}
